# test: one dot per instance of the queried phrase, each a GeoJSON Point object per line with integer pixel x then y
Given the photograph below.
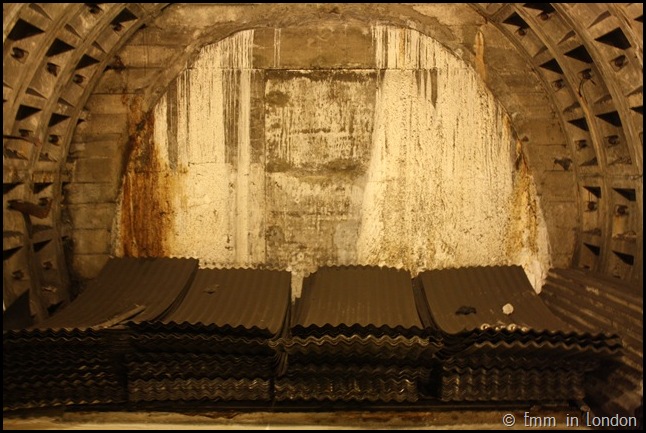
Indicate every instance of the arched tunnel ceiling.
{"type": "Point", "coordinates": [78, 79]}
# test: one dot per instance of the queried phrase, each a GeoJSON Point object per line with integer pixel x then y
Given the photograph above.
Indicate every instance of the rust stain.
{"type": "Point", "coordinates": [524, 228]}
{"type": "Point", "coordinates": [146, 207]}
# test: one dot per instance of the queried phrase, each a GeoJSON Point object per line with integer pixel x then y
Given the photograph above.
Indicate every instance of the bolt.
{"type": "Point", "coordinates": [544, 16]}
{"type": "Point", "coordinates": [522, 31]}
{"type": "Point", "coordinates": [78, 79]}
{"type": "Point", "coordinates": [53, 139]}
{"type": "Point", "coordinates": [592, 206]}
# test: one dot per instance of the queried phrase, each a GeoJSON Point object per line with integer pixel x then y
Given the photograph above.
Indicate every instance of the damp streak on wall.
{"type": "Point", "coordinates": [408, 163]}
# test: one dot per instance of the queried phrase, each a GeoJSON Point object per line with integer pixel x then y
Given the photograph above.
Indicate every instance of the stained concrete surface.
{"type": "Point", "coordinates": [406, 161]}
{"type": "Point", "coordinates": [345, 420]}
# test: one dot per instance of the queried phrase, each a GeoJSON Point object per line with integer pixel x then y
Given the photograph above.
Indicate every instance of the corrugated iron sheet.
{"type": "Point", "coordinates": [496, 353]}
{"type": "Point", "coordinates": [511, 384]}
{"type": "Point", "coordinates": [199, 390]}
{"type": "Point", "coordinates": [472, 298]}
{"type": "Point", "coordinates": [344, 352]}
{"type": "Point", "coordinates": [157, 366]}
{"type": "Point", "coordinates": [357, 296]}
{"type": "Point", "coordinates": [64, 394]}
{"type": "Point", "coordinates": [540, 362]}
{"type": "Point", "coordinates": [137, 289]}
{"type": "Point", "coordinates": [188, 342]}
{"type": "Point", "coordinates": [597, 303]}
{"type": "Point", "coordinates": [379, 348]}
{"type": "Point", "coordinates": [73, 357]}
{"type": "Point", "coordinates": [357, 335]}
{"type": "Point", "coordinates": [254, 300]}
{"type": "Point", "coordinates": [347, 389]}
{"type": "Point", "coordinates": [560, 351]}
{"type": "Point", "coordinates": [213, 346]}
{"type": "Point", "coordinates": [66, 367]}
{"type": "Point", "coordinates": [358, 370]}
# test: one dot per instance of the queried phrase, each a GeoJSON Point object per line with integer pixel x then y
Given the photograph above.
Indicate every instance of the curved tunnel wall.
{"type": "Point", "coordinates": [80, 78]}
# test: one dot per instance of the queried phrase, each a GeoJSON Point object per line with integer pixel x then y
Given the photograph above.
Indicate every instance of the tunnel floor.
{"type": "Point", "coordinates": [449, 419]}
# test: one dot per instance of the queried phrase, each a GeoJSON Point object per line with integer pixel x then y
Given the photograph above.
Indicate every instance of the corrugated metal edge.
{"type": "Point", "coordinates": [111, 288]}
{"type": "Point", "coordinates": [309, 299]}
{"type": "Point", "coordinates": [522, 301]}
{"type": "Point", "coordinates": [280, 280]}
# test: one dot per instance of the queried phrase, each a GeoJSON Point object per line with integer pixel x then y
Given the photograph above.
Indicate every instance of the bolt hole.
{"type": "Point", "coordinates": [587, 74]}
{"type": "Point", "coordinates": [52, 69]}
{"type": "Point", "coordinates": [18, 53]}
{"type": "Point", "coordinates": [613, 140]}
{"type": "Point", "coordinates": [620, 62]}
{"type": "Point", "coordinates": [94, 8]}
{"type": "Point", "coordinates": [621, 210]}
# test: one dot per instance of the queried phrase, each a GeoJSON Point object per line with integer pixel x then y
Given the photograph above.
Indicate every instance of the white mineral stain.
{"type": "Point", "coordinates": [441, 186]}
{"type": "Point", "coordinates": [212, 214]}
{"type": "Point", "coordinates": [419, 175]}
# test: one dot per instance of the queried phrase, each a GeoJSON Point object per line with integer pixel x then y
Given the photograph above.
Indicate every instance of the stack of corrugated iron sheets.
{"type": "Point", "coordinates": [355, 335]}
{"type": "Point", "coordinates": [597, 302]}
{"type": "Point", "coordinates": [162, 330]}
{"type": "Point", "coordinates": [43, 368]}
{"type": "Point", "coordinates": [76, 356]}
{"type": "Point", "coordinates": [502, 343]}
{"type": "Point", "coordinates": [214, 346]}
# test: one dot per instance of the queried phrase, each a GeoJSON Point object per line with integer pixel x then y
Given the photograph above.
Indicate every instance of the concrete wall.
{"type": "Point", "coordinates": [396, 155]}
